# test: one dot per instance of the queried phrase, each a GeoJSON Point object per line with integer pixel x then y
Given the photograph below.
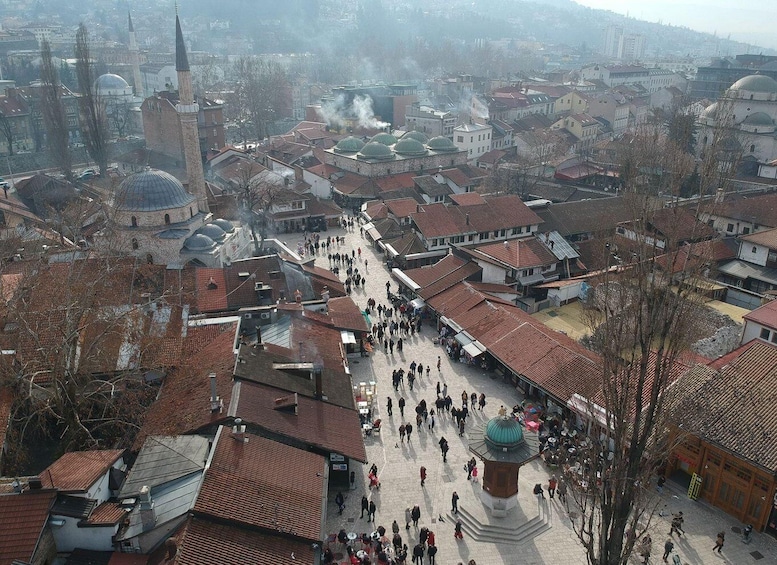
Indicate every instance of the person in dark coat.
{"type": "Point", "coordinates": [373, 509]}
{"type": "Point", "coordinates": [402, 406]}
{"type": "Point", "coordinates": [423, 475]}
{"type": "Point", "coordinates": [340, 501]}
{"type": "Point", "coordinates": [418, 554]}
{"type": "Point", "coordinates": [408, 431]}
{"type": "Point", "coordinates": [416, 515]}
{"type": "Point", "coordinates": [431, 552]}
{"type": "Point", "coordinates": [389, 406]}
{"type": "Point", "coordinates": [365, 506]}
{"type": "Point", "coordinates": [455, 503]}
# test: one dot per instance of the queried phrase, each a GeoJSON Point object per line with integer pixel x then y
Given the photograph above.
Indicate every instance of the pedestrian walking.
{"type": "Point", "coordinates": [416, 515]}
{"type": "Point", "coordinates": [475, 474]}
{"type": "Point", "coordinates": [562, 490]}
{"type": "Point", "coordinates": [431, 551]}
{"type": "Point", "coordinates": [411, 379]}
{"type": "Point", "coordinates": [660, 484]}
{"type": "Point", "coordinates": [402, 405]}
{"type": "Point", "coordinates": [395, 529]}
{"type": "Point", "coordinates": [423, 475]}
{"type": "Point", "coordinates": [455, 503]}
{"type": "Point", "coordinates": [482, 401]}
{"type": "Point", "coordinates": [408, 431]}
{"type": "Point", "coordinates": [444, 390]}
{"type": "Point", "coordinates": [408, 518]}
{"type": "Point", "coordinates": [418, 554]}
{"type": "Point", "coordinates": [428, 370]}
{"type": "Point", "coordinates": [438, 388]}
{"type": "Point", "coordinates": [539, 492]}
{"type": "Point", "coordinates": [420, 370]}
{"type": "Point", "coordinates": [473, 400]}
{"type": "Point", "coordinates": [646, 547]}
{"type": "Point", "coordinates": [552, 484]}
{"type": "Point", "coordinates": [391, 346]}
{"type": "Point", "coordinates": [457, 533]}
{"type": "Point", "coordinates": [373, 509]}
{"type": "Point", "coordinates": [439, 363]}
{"type": "Point", "coordinates": [470, 465]}
{"type": "Point", "coordinates": [340, 501]}
{"type": "Point", "coordinates": [389, 406]}
{"type": "Point", "coordinates": [419, 420]}
{"type": "Point", "coordinates": [677, 524]}
{"type": "Point", "coordinates": [431, 420]}
{"type": "Point", "coordinates": [423, 536]}
{"type": "Point", "coordinates": [461, 428]}
{"type": "Point", "coordinates": [668, 547]}
{"type": "Point", "coordinates": [402, 430]}
{"type": "Point", "coordinates": [365, 506]}
{"type": "Point", "coordinates": [719, 541]}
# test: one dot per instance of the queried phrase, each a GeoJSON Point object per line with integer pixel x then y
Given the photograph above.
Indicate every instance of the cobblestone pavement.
{"type": "Point", "coordinates": [399, 463]}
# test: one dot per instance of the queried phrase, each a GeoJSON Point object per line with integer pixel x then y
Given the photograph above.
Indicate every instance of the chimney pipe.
{"type": "Point", "coordinates": [239, 431]}
{"type": "Point", "coordinates": [466, 217]}
{"type": "Point", "coordinates": [215, 401]}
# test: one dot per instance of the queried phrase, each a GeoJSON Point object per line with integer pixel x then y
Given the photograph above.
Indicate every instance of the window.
{"type": "Point", "coordinates": [774, 337]}
{"type": "Point", "coordinates": [167, 218]}
{"type": "Point", "coordinates": [730, 228]}
{"type": "Point", "coordinates": [502, 233]}
{"type": "Point", "coordinates": [496, 233]}
{"type": "Point", "coordinates": [460, 138]}
{"type": "Point", "coordinates": [745, 231]}
{"type": "Point", "coordinates": [754, 249]}
{"type": "Point", "coordinates": [134, 221]}
{"type": "Point", "coordinates": [134, 244]}
{"type": "Point", "coordinates": [752, 149]}
{"type": "Point", "coordinates": [765, 333]}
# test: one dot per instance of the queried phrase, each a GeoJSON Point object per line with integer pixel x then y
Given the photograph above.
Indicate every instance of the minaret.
{"type": "Point", "coordinates": [135, 58]}
{"type": "Point", "coordinates": [187, 110]}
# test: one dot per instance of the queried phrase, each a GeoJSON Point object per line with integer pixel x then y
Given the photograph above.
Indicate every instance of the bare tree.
{"type": "Point", "coordinates": [7, 130]}
{"type": "Point", "coordinates": [91, 107]}
{"type": "Point", "coordinates": [644, 314]}
{"type": "Point", "coordinates": [54, 118]}
{"type": "Point", "coordinates": [258, 93]}
{"type": "Point", "coordinates": [258, 190]}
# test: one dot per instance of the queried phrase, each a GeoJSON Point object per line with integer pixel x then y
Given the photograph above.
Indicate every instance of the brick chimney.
{"type": "Point", "coordinates": [147, 513]}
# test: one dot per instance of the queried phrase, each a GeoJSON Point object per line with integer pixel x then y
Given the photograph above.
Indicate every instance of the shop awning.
{"type": "Point", "coordinates": [475, 348]}
{"type": "Point", "coordinates": [588, 409]}
{"type": "Point", "coordinates": [374, 234]}
{"type": "Point", "coordinates": [451, 324]}
{"type": "Point", "coordinates": [417, 303]}
{"type": "Point", "coordinates": [347, 337]}
{"type": "Point", "coordinates": [464, 338]}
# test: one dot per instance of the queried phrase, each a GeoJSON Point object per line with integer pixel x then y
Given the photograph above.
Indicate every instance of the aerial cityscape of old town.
{"type": "Point", "coordinates": [365, 282]}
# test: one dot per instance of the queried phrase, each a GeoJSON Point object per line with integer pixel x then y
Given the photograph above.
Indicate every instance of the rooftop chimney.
{"type": "Point", "coordinates": [719, 195]}
{"type": "Point", "coordinates": [325, 294]}
{"type": "Point", "coordinates": [147, 513]}
{"type": "Point", "coordinates": [215, 400]}
{"type": "Point", "coordinates": [319, 383]}
{"type": "Point", "coordinates": [466, 219]}
{"type": "Point", "coordinates": [239, 431]}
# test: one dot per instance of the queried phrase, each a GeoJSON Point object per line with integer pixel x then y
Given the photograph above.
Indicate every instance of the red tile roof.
{"type": "Point", "coordinates": [457, 177]}
{"type": "Point", "coordinates": [767, 238]}
{"type": "Point", "coordinates": [211, 299]}
{"type": "Point", "coordinates": [346, 315]}
{"type": "Point", "coordinates": [319, 424]}
{"type": "Point", "coordinates": [443, 283]}
{"type": "Point", "coordinates": [78, 470]}
{"type": "Point", "coordinates": [202, 540]}
{"type": "Point", "coordinates": [765, 315]}
{"type": "Point", "coordinates": [393, 183]}
{"type": "Point", "coordinates": [760, 209]}
{"type": "Point", "coordinates": [734, 408]}
{"type": "Point", "coordinates": [424, 276]}
{"type": "Point", "coordinates": [402, 207]}
{"type": "Point", "coordinates": [265, 484]}
{"type": "Point", "coordinates": [468, 198]}
{"type": "Point", "coordinates": [186, 392]}
{"type": "Point", "coordinates": [23, 517]}
{"type": "Point", "coordinates": [107, 513]}
{"type": "Point", "coordinates": [518, 253]}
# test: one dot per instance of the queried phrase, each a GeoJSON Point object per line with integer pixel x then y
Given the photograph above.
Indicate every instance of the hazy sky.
{"type": "Point", "coordinates": [746, 21]}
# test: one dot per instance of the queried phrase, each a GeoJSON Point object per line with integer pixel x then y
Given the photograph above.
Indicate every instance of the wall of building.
{"type": "Point", "coordinates": [395, 166]}
{"type": "Point", "coordinates": [756, 254]}
{"type": "Point", "coordinates": [162, 128]}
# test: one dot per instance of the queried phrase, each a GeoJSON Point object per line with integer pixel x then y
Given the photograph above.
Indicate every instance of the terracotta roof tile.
{"type": "Point", "coordinates": [402, 207]}
{"type": "Point", "coordinates": [346, 315]}
{"type": "Point", "coordinates": [519, 253]}
{"type": "Point", "coordinates": [765, 315]}
{"type": "Point", "coordinates": [767, 238]}
{"type": "Point", "coordinates": [23, 517]}
{"type": "Point", "coordinates": [211, 290]}
{"type": "Point", "coordinates": [78, 470]}
{"type": "Point", "coordinates": [106, 513]}
{"type": "Point", "coordinates": [285, 497]}
{"type": "Point", "coordinates": [326, 426]}
{"type": "Point", "coordinates": [424, 276]}
{"type": "Point", "coordinates": [759, 209]}
{"type": "Point", "coordinates": [202, 539]}
{"type": "Point", "coordinates": [186, 392]}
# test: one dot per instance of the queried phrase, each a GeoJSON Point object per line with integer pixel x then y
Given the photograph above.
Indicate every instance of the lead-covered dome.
{"type": "Point", "coordinates": [756, 83]}
{"type": "Point", "coordinates": [417, 135]}
{"type": "Point", "coordinates": [384, 138]}
{"type": "Point", "coordinates": [503, 433]}
{"type": "Point", "coordinates": [441, 143]}
{"type": "Point", "coordinates": [375, 150]}
{"type": "Point", "coordinates": [151, 190]}
{"type": "Point", "coordinates": [758, 119]}
{"type": "Point", "coordinates": [349, 144]}
{"type": "Point", "coordinates": [198, 243]}
{"type": "Point", "coordinates": [224, 225]}
{"type": "Point", "coordinates": [409, 146]}
{"type": "Point", "coordinates": [112, 85]}
{"type": "Point", "coordinates": [213, 231]}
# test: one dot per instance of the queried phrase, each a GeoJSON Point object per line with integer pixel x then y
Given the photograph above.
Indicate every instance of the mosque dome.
{"type": "Point", "coordinates": [198, 243]}
{"type": "Point", "coordinates": [409, 146]}
{"type": "Point", "coordinates": [417, 135]}
{"type": "Point", "coordinates": [151, 190]}
{"type": "Point", "coordinates": [349, 144]}
{"type": "Point", "coordinates": [384, 138]}
{"type": "Point", "coordinates": [110, 84]}
{"type": "Point", "coordinates": [503, 433]}
{"type": "Point", "coordinates": [441, 143]}
{"type": "Point", "coordinates": [213, 231]}
{"type": "Point", "coordinates": [756, 83]}
{"type": "Point", "coordinates": [375, 150]}
{"type": "Point", "coordinates": [710, 111]}
{"type": "Point", "coordinates": [225, 225]}
{"type": "Point", "coordinates": [758, 119]}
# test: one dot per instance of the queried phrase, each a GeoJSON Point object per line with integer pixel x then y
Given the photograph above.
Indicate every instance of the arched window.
{"type": "Point", "coordinates": [752, 149]}
{"type": "Point", "coordinates": [751, 97]}
{"type": "Point", "coordinates": [167, 218]}
{"type": "Point", "coordinates": [134, 221]}
{"type": "Point", "coordinates": [134, 244]}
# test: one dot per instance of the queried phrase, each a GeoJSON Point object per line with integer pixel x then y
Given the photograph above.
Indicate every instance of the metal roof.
{"type": "Point", "coordinates": [152, 190]}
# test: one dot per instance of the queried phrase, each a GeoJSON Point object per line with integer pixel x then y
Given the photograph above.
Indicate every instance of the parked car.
{"type": "Point", "coordinates": [88, 174]}
{"type": "Point", "coordinates": [4, 183]}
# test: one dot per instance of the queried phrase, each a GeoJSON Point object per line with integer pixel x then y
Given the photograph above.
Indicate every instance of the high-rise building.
{"type": "Point", "coordinates": [620, 45]}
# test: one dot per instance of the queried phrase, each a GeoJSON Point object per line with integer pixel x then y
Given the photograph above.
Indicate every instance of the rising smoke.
{"type": "Point", "coordinates": [338, 113]}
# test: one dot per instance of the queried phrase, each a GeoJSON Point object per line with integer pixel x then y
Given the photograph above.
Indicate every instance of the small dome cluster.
{"type": "Point", "coordinates": [384, 146]}
{"type": "Point", "coordinates": [208, 236]}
